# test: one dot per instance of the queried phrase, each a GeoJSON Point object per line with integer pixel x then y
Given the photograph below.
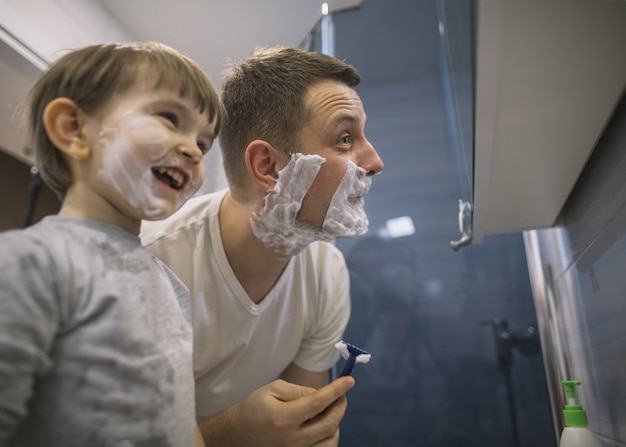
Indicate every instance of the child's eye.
{"type": "Point", "coordinates": [204, 146]}
{"type": "Point", "coordinates": [171, 117]}
{"type": "Point", "coordinates": [345, 139]}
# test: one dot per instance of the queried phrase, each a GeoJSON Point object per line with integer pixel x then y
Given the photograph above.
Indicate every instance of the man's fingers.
{"type": "Point", "coordinates": [287, 392]}
{"type": "Point", "coordinates": [323, 429]}
{"type": "Point", "coordinates": [314, 403]}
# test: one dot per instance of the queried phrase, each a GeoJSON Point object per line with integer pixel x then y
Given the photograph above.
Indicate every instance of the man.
{"type": "Point", "coordinates": [270, 293]}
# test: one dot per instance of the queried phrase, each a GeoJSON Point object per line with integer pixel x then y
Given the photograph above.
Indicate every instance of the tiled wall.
{"type": "Point", "coordinates": [583, 273]}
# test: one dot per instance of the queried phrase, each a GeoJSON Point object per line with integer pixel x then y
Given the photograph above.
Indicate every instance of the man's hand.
{"type": "Point", "coordinates": [281, 414]}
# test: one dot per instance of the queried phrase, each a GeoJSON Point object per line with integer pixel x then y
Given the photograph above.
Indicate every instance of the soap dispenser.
{"type": "Point", "coordinates": [576, 432]}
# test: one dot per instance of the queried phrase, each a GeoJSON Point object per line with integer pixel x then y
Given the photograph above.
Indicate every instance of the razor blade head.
{"type": "Point", "coordinates": [353, 355]}
{"type": "Point", "coordinates": [347, 350]}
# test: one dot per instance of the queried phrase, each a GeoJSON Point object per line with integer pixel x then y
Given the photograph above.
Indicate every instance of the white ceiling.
{"type": "Point", "coordinates": [211, 31]}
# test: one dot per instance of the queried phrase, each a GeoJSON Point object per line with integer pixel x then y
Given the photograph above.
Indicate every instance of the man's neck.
{"type": "Point", "coordinates": [256, 266]}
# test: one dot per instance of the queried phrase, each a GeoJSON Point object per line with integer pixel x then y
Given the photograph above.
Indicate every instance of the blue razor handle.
{"type": "Point", "coordinates": [353, 351]}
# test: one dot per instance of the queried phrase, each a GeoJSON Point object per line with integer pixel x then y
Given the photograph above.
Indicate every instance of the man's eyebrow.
{"type": "Point", "coordinates": [349, 117]}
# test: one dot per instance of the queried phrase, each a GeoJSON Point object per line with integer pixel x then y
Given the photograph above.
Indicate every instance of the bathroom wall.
{"type": "Point", "coordinates": [43, 30]}
{"type": "Point", "coordinates": [16, 180]}
{"type": "Point", "coordinates": [20, 202]}
{"type": "Point", "coordinates": [579, 283]}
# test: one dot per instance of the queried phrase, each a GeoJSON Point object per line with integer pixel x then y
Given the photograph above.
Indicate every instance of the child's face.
{"type": "Point", "coordinates": [147, 153]}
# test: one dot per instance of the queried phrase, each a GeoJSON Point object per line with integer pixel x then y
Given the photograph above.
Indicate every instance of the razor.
{"type": "Point", "coordinates": [353, 355]}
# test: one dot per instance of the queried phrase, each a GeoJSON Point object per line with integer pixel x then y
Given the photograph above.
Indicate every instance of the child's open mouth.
{"type": "Point", "coordinates": [173, 177]}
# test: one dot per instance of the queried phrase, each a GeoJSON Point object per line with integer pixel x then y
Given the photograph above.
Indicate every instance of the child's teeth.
{"type": "Point", "coordinates": [174, 175]}
{"type": "Point", "coordinates": [178, 178]}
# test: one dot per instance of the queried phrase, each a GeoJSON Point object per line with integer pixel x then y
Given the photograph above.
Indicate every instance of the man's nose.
{"type": "Point", "coordinates": [371, 161]}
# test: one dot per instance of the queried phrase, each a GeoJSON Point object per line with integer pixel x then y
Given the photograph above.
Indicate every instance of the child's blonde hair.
{"type": "Point", "coordinates": [92, 75]}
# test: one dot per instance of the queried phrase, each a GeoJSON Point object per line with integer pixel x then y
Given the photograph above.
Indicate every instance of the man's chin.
{"type": "Point", "coordinates": [356, 202]}
{"type": "Point", "coordinates": [342, 229]}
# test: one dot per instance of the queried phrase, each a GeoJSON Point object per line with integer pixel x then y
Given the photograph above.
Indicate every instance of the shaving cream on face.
{"type": "Point", "coordinates": [130, 151]}
{"type": "Point", "coordinates": [346, 213]}
{"type": "Point", "coordinates": [276, 223]}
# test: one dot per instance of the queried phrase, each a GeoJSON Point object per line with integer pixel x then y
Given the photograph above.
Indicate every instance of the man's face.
{"type": "Point", "coordinates": [147, 153]}
{"type": "Point", "coordinates": [319, 192]}
{"type": "Point", "coordinates": [336, 132]}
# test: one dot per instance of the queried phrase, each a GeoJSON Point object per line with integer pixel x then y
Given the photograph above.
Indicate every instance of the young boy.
{"type": "Point", "coordinates": [95, 340]}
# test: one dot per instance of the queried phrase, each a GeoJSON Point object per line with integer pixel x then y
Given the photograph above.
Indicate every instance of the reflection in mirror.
{"type": "Point", "coordinates": [455, 20]}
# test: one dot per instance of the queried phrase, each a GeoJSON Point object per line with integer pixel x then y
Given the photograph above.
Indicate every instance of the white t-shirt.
{"type": "Point", "coordinates": [240, 346]}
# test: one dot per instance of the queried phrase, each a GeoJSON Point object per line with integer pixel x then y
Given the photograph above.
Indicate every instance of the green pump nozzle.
{"type": "Point", "coordinates": [573, 413]}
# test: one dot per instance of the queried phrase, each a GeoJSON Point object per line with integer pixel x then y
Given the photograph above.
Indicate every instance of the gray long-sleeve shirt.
{"type": "Point", "coordinates": [95, 341]}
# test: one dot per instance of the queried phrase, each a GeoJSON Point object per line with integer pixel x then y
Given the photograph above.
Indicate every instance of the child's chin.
{"type": "Point", "coordinates": [159, 212]}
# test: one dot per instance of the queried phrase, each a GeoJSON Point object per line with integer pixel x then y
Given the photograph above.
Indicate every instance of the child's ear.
{"type": "Point", "coordinates": [64, 121]}
{"type": "Point", "coordinates": [264, 161]}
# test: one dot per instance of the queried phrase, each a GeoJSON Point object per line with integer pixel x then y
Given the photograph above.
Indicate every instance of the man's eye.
{"type": "Point", "coordinates": [171, 117]}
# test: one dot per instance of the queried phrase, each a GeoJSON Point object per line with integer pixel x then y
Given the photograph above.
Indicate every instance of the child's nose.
{"type": "Point", "coordinates": [190, 151]}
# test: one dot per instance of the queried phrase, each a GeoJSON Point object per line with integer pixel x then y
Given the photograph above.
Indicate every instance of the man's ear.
{"type": "Point", "coordinates": [264, 161]}
{"type": "Point", "coordinates": [64, 121]}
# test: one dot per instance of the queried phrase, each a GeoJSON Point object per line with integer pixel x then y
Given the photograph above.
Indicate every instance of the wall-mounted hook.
{"type": "Point", "coordinates": [465, 225]}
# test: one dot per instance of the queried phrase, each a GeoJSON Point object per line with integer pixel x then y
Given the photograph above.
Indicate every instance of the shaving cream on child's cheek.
{"type": "Point", "coordinates": [276, 225]}
{"type": "Point", "coordinates": [130, 151]}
